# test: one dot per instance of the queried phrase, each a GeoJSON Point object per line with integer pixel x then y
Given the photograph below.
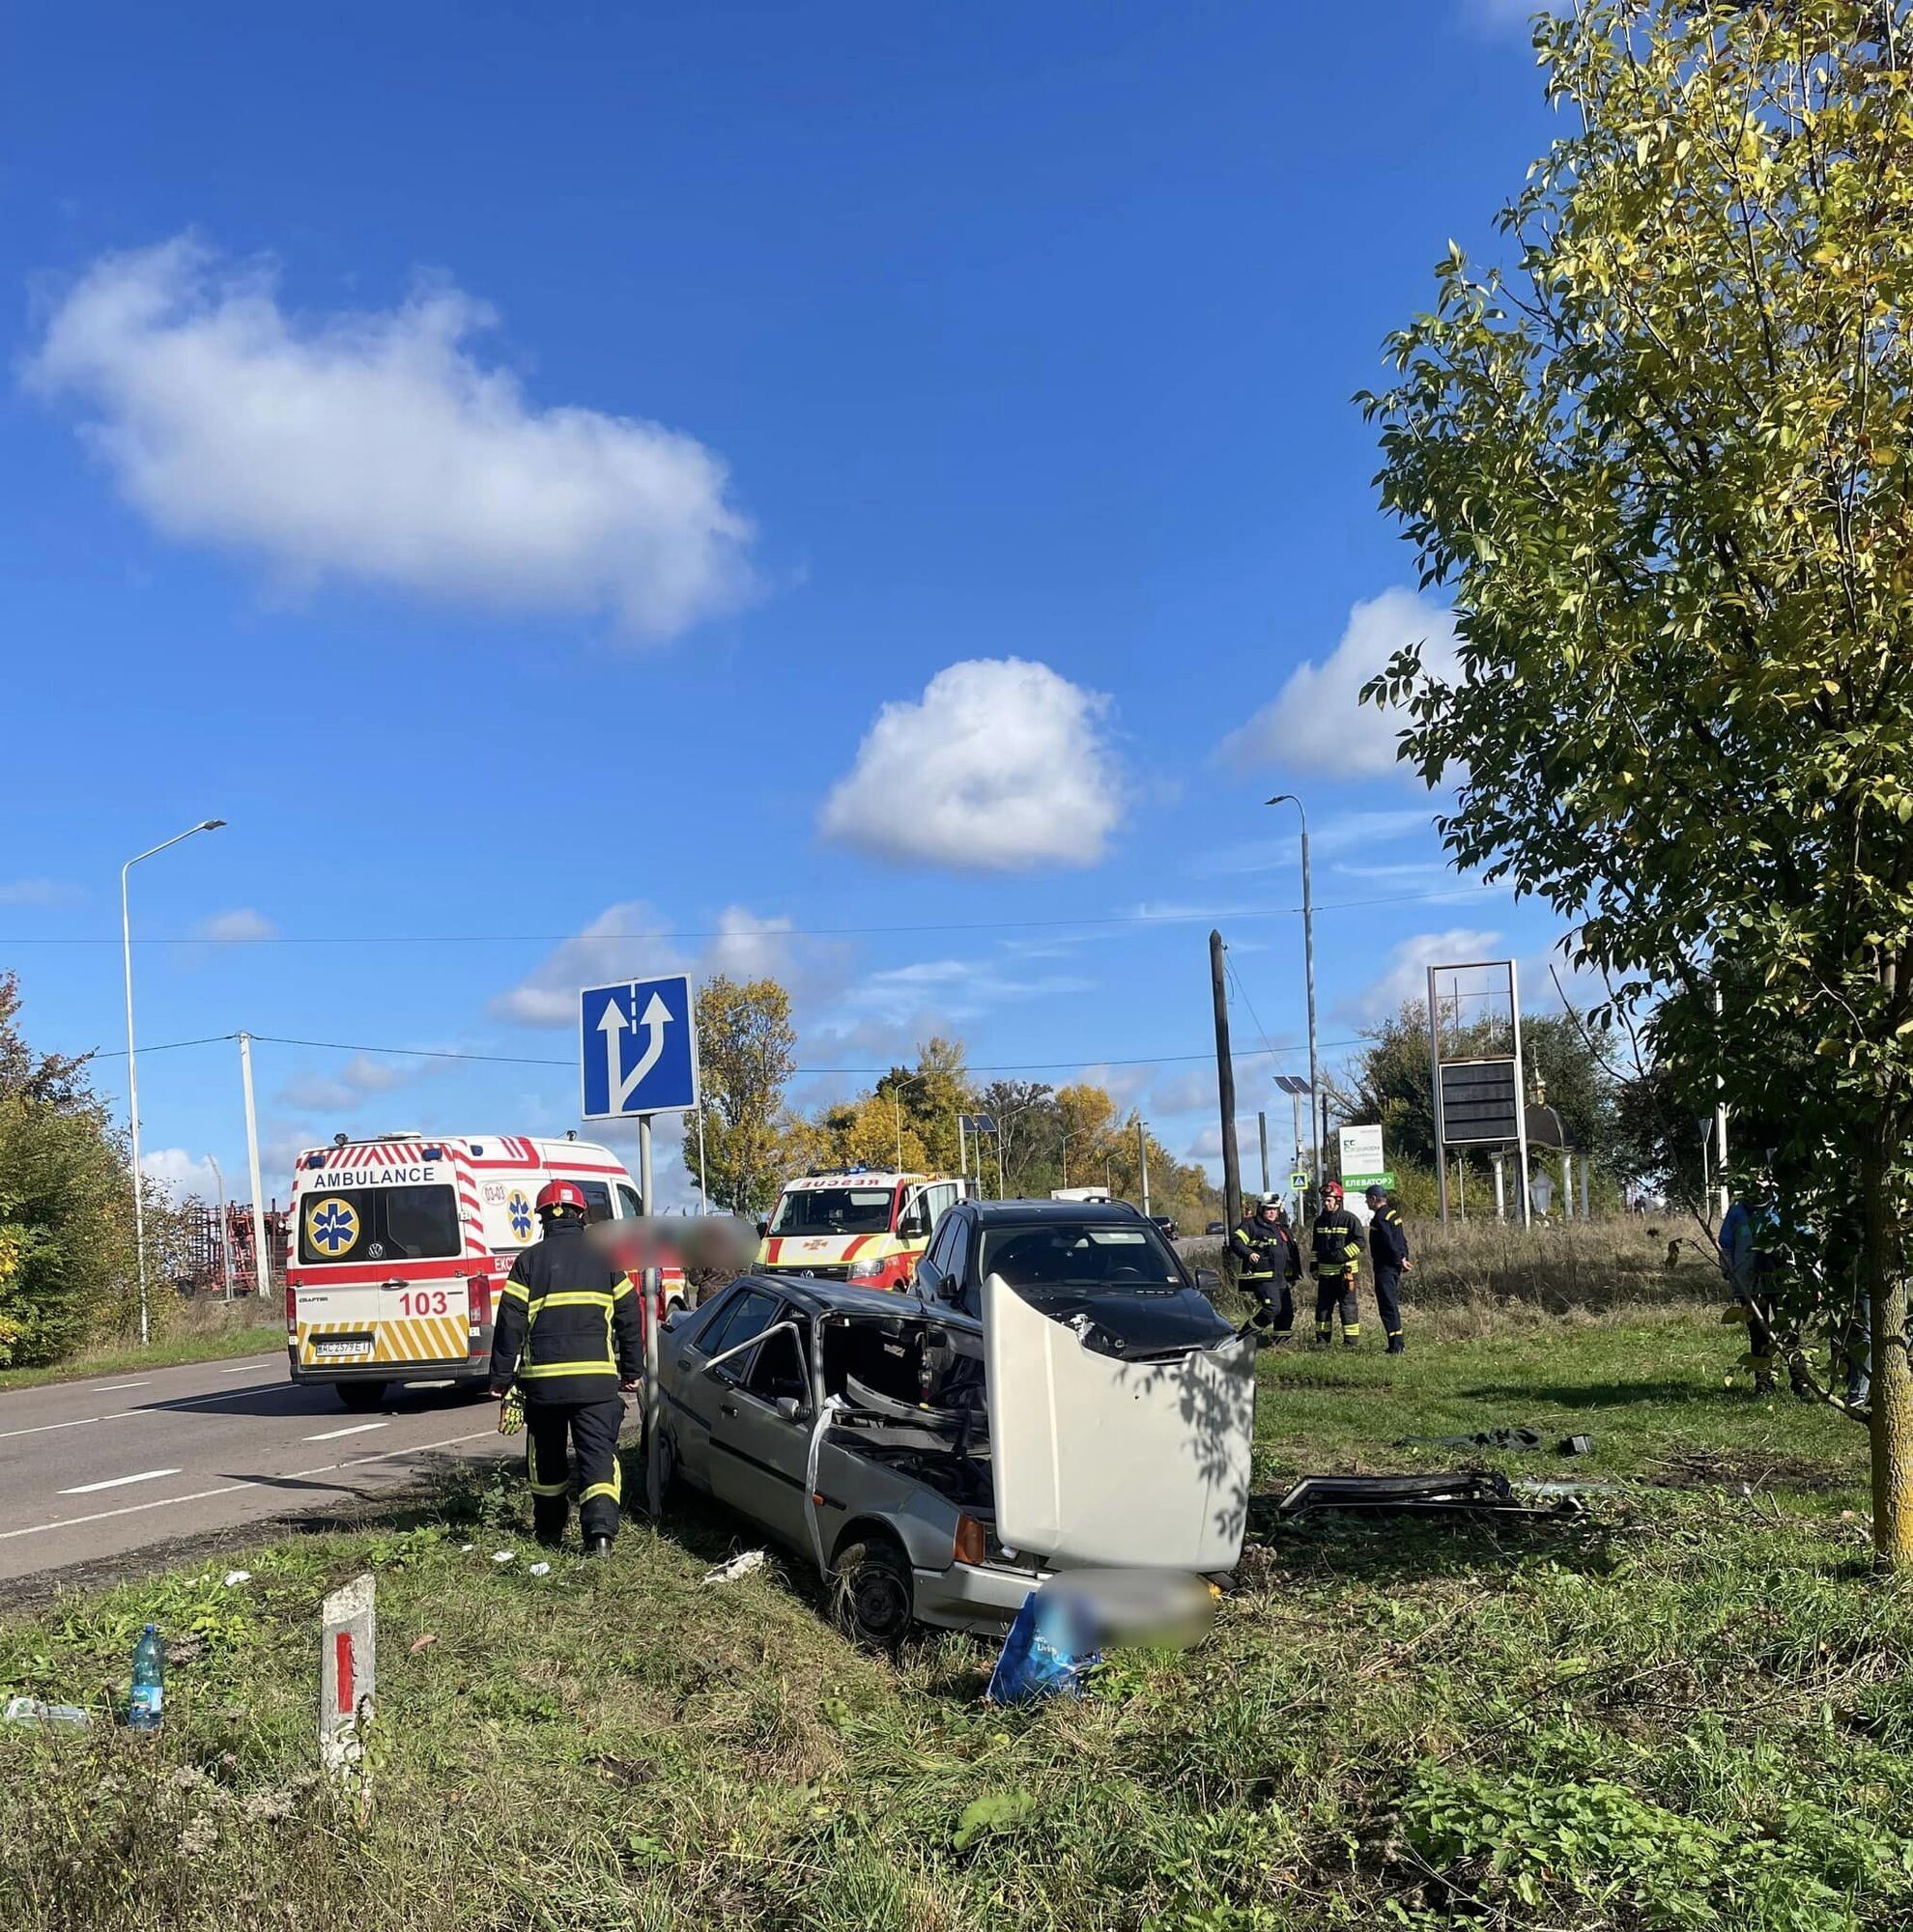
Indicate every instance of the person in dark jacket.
{"type": "Point", "coordinates": [569, 1335]}
{"type": "Point", "coordinates": [1268, 1264]}
{"type": "Point", "coordinates": [1389, 1254]}
{"type": "Point", "coordinates": [1335, 1245]}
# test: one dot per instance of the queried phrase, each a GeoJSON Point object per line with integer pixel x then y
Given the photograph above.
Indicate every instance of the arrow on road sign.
{"type": "Point", "coordinates": [656, 1017]}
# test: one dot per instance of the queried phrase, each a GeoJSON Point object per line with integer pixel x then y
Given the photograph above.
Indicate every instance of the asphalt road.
{"type": "Point", "coordinates": [90, 1469]}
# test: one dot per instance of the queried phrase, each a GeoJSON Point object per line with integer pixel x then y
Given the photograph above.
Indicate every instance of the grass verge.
{"type": "Point", "coordinates": [207, 1331]}
{"type": "Point", "coordinates": [1691, 1709]}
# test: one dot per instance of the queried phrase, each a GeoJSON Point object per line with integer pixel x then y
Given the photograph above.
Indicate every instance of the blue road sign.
{"type": "Point", "coordinates": [638, 1048]}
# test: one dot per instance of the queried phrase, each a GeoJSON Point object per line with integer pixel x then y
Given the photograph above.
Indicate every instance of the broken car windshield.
{"type": "Point", "coordinates": [834, 1210]}
{"type": "Point", "coordinates": [1037, 1257]}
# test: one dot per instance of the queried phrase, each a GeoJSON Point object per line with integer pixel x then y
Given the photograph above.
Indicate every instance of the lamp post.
{"type": "Point", "coordinates": [1308, 968]}
{"type": "Point", "coordinates": [132, 1065]}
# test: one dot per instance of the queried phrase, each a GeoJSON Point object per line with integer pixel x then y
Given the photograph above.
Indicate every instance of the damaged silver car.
{"type": "Point", "coordinates": [1056, 1391]}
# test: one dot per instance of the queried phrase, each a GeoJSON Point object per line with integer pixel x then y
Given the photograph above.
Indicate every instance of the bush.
{"type": "Point", "coordinates": [65, 1203]}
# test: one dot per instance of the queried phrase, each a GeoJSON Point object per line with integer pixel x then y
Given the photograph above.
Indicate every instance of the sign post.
{"type": "Point", "coordinates": [637, 1056]}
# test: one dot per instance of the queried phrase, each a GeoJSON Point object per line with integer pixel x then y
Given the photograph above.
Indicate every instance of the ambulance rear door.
{"type": "Point", "coordinates": [381, 1252]}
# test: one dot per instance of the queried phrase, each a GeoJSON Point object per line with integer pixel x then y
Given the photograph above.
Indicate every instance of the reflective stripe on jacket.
{"type": "Point", "coordinates": [568, 1326]}
{"type": "Point", "coordinates": [1337, 1243]}
{"type": "Point", "coordinates": [1387, 1239]}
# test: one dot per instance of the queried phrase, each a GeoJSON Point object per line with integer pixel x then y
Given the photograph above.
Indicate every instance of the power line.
{"type": "Point", "coordinates": [1082, 922]}
{"type": "Point", "coordinates": [164, 1046]}
{"type": "Point", "coordinates": [801, 1072]}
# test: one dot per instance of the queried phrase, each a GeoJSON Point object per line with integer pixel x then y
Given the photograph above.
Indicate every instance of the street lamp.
{"type": "Point", "coordinates": [132, 1065]}
{"type": "Point", "coordinates": [1308, 967]}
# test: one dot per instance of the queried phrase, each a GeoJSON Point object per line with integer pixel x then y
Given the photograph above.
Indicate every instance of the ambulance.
{"type": "Point", "coordinates": [855, 1224]}
{"type": "Point", "coordinates": [398, 1248]}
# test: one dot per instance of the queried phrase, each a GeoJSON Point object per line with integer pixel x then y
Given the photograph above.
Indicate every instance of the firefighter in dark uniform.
{"type": "Point", "coordinates": [568, 1334]}
{"type": "Point", "coordinates": [1268, 1264]}
{"type": "Point", "coordinates": [1336, 1246]}
{"type": "Point", "coordinates": [1388, 1252]}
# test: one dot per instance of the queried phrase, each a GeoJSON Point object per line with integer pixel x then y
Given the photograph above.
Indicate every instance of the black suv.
{"type": "Point", "coordinates": [1097, 1267]}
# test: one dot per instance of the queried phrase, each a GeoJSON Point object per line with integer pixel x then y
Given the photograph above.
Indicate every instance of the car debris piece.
{"type": "Point", "coordinates": [1520, 1439]}
{"type": "Point", "coordinates": [743, 1564]}
{"type": "Point", "coordinates": [1476, 1492]}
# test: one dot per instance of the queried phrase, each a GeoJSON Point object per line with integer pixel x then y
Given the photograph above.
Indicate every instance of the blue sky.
{"type": "Point", "coordinates": [586, 489]}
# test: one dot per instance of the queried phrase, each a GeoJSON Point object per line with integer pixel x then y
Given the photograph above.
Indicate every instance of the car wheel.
{"type": "Point", "coordinates": [874, 1592]}
{"type": "Point", "coordinates": [360, 1396]}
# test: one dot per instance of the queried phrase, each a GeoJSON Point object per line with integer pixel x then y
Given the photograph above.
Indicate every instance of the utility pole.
{"type": "Point", "coordinates": [1142, 1160]}
{"type": "Point", "coordinates": [1262, 1133]}
{"type": "Point", "coordinates": [262, 1261]}
{"type": "Point", "coordinates": [964, 1153]}
{"type": "Point", "coordinates": [1308, 971]}
{"type": "Point", "coordinates": [1225, 1084]}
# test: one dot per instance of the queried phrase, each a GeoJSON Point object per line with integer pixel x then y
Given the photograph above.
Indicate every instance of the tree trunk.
{"type": "Point", "coordinates": [1890, 1425]}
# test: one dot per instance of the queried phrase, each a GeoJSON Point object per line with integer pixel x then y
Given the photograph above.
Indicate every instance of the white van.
{"type": "Point", "coordinates": [398, 1248]}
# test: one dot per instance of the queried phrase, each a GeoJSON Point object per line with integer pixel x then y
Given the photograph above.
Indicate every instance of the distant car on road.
{"type": "Point", "coordinates": [1166, 1224]}
{"type": "Point", "coordinates": [1055, 1391]}
{"type": "Point", "coordinates": [1216, 1228]}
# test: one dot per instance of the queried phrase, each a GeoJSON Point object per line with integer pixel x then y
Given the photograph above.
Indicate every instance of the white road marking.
{"type": "Point", "coordinates": [113, 1388]}
{"type": "Point", "coordinates": [357, 1429]}
{"type": "Point", "coordinates": [243, 1369]}
{"type": "Point", "coordinates": [233, 1489]}
{"type": "Point", "coordinates": [119, 1482]}
{"type": "Point", "coordinates": [78, 1422]}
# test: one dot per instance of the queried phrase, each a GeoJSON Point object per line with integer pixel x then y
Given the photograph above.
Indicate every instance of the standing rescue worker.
{"type": "Point", "coordinates": [1388, 1252]}
{"type": "Point", "coordinates": [1336, 1246]}
{"type": "Point", "coordinates": [1269, 1265]}
{"type": "Point", "coordinates": [569, 1335]}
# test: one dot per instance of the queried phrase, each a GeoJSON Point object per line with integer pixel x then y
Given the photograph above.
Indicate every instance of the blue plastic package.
{"type": "Point", "coordinates": [1047, 1652]}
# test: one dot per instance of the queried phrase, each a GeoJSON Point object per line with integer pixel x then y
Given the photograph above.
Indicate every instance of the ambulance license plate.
{"type": "Point", "coordinates": [335, 1346]}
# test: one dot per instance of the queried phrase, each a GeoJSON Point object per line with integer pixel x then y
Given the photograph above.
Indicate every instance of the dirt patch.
{"type": "Point", "coordinates": [1752, 1469]}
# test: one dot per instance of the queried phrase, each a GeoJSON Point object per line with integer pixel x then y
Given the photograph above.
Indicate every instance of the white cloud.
{"type": "Point", "coordinates": [181, 1174]}
{"type": "Point", "coordinates": [239, 927]}
{"type": "Point", "coordinates": [1405, 977]}
{"type": "Point", "coordinates": [633, 939]}
{"type": "Point", "coordinates": [1316, 722]}
{"type": "Point", "coordinates": [360, 1079]}
{"type": "Point", "coordinates": [376, 446]}
{"type": "Point", "coordinates": [37, 893]}
{"type": "Point", "coordinates": [1000, 765]}
{"type": "Point", "coordinates": [954, 989]}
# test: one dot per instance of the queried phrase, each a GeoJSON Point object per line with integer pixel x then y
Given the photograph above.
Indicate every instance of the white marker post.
{"type": "Point", "coordinates": [347, 1655]}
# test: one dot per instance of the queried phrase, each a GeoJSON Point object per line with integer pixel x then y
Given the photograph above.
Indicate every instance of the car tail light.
{"type": "Point", "coordinates": [479, 1296]}
{"type": "Point", "coordinates": [292, 1309]}
{"type": "Point", "coordinates": [971, 1542]}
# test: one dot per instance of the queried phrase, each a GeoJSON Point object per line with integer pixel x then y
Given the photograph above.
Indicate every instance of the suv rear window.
{"type": "Point", "coordinates": [1056, 1254]}
{"type": "Point", "coordinates": [834, 1210]}
{"type": "Point", "coordinates": [378, 1224]}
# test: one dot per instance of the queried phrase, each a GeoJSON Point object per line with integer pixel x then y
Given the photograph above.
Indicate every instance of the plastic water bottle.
{"type": "Point", "coordinates": [148, 1681]}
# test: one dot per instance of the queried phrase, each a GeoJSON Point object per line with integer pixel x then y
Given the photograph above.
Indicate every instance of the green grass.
{"type": "Point", "coordinates": [1691, 1709]}
{"type": "Point", "coordinates": [211, 1336]}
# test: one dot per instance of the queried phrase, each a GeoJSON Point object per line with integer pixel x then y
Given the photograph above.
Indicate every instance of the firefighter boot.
{"type": "Point", "coordinates": [597, 1546]}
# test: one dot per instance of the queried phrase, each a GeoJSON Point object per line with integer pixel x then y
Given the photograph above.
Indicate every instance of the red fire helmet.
{"type": "Point", "coordinates": [557, 1194]}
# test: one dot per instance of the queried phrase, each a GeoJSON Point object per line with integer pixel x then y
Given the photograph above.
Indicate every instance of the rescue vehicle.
{"type": "Point", "coordinates": [398, 1248]}
{"type": "Point", "coordinates": [856, 1224]}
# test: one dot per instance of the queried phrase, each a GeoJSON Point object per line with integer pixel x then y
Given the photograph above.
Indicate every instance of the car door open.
{"type": "Point", "coordinates": [761, 1435]}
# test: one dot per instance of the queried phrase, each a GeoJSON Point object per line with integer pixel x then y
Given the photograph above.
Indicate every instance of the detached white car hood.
{"type": "Point", "coordinates": [1099, 1461]}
